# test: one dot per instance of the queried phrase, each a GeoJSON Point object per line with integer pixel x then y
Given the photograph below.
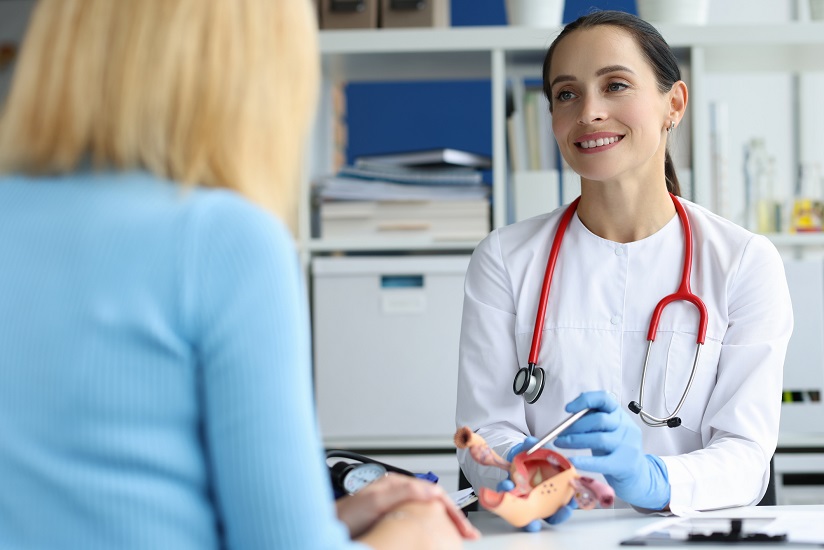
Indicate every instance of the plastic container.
{"type": "Point", "coordinates": [679, 12]}
{"type": "Point", "coordinates": [535, 13]}
{"type": "Point", "coordinates": [817, 10]}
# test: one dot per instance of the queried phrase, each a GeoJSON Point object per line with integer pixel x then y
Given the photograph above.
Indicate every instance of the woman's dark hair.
{"type": "Point", "coordinates": [652, 45]}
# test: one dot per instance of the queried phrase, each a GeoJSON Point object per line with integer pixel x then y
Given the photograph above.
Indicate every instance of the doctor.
{"type": "Point", "coordinates": [616, 97]}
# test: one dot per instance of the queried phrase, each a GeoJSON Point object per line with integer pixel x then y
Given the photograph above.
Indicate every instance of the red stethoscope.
{"type": "Point", "coordinates": [529, 381]}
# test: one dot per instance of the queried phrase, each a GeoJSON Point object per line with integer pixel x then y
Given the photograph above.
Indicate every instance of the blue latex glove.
{"type": "Point", "coordinates": [560, 516]}
{"type": "Point", "coordinates": [639, 479]}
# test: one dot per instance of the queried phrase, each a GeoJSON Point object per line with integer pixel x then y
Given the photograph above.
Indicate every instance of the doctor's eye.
{"type": "Point", "coordinates": [617, 86]}
{"type": "Point", "coordinates": [564, 95]}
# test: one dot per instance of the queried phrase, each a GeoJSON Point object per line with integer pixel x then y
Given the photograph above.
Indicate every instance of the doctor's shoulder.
{"type": "Point", "coordinates": [516, 243]}
{"type": "Point", "coordinates": [730, 247]}
{"type": "Point", "coordinates": [711, 229]}
{"type": "Point", "coordinates": [531, 232]}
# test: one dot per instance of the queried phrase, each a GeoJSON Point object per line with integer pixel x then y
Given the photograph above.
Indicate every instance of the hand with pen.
{"type": "Point", "coordinates": [615, 441]}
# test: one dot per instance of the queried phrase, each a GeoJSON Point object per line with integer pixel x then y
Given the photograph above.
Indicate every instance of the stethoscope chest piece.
{"type": "Point", "coordinates": [530, 386]}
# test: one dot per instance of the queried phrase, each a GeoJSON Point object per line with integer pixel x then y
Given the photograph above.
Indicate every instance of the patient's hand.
{"type": "Point", "coordinates": [364, 510]}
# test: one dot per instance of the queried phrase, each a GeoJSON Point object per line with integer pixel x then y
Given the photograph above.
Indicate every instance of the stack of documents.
{"type": "Point", "coordinates": [444, 220]}
{"type": "Point", "coordinates": [381, 199]}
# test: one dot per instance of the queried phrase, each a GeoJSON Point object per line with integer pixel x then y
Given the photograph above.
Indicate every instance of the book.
{"type": "Point", "coordinates": [451, 175]}
{"type": "Point", "coordinates": [438, 220]}
{"type": "Point", "coordinates": [430, 157]}
{"type": "Point", "coordinates": [343, 188]}
{"type": "Point", "coordinates": [516, 129]}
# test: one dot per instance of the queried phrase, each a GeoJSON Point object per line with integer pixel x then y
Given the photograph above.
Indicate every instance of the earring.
{"type": "Point", "coordinates": [671, 127]}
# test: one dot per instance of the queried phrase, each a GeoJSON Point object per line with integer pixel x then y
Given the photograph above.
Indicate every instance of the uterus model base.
{"type": "Point", "coordinates": [544, 482]}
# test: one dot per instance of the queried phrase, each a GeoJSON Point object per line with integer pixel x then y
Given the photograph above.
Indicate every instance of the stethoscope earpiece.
{"type": "Point", "coordinates": [672, 422]}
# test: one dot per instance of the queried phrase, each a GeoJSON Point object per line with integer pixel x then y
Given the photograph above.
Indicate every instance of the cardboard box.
{"type": "Point", "coordinates": [348, 14]}
{"type": "Point", "coordinates": [415, 13]}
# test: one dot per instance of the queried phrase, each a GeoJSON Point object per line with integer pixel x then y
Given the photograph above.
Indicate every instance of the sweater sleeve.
{"type": "Point", "coordinates": [247, 317]}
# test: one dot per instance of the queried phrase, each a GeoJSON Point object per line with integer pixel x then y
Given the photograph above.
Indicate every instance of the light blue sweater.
{"type": "Point", "coordinates": [155, 375]}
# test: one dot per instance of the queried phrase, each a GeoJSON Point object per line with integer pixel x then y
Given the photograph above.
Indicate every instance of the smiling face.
{"type": "Point", "coordinates": [608, 114]}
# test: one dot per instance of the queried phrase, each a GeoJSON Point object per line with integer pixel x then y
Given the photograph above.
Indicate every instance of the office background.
{"type": "Point", "coordinates": [781, 108]}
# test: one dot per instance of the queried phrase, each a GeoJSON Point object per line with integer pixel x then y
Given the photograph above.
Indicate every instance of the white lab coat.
{"type": "Point", "coordinates": [595, 337]}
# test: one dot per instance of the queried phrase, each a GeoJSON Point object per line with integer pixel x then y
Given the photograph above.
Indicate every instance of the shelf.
{"type": "Point", "coordinates": [796, 239]}
{"type": "Point", "coordinates": [814, 442]}
{"type": "Point", "coordinates": [387, 444]}
{"type": "Point", "coordinates": [393, 244]}
{"type": "Point", "coordinates": [459, 52]}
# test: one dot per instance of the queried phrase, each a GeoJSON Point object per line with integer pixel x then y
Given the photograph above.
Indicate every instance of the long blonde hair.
{"type": "Point", "coordinates": [218, 93]}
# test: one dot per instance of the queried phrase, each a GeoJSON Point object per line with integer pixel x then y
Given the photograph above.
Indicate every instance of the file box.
{"type": "Point", "coordinates": [386, 333]}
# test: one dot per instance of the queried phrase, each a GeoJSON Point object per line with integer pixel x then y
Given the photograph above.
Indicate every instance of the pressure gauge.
{"type": "Point", "coordinates": [351, 478]}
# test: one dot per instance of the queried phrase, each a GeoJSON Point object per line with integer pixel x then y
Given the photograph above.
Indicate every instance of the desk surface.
{"type": "Point", "coordinates": [602, 529]}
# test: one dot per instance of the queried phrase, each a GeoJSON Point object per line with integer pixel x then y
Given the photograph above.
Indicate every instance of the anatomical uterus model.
{"type": "Point", "coordinates": [544, 482]}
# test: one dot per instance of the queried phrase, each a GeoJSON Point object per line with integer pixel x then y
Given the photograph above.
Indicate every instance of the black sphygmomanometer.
{"type": "Point", "coordinates": [348, 478]}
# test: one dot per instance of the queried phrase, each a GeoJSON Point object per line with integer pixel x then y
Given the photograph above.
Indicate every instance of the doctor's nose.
{"type": "Point", "coordinates": [592, 110]}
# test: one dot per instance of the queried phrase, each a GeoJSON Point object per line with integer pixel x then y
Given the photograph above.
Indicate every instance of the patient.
{"type": "Point", "coordinates": [155, 385]}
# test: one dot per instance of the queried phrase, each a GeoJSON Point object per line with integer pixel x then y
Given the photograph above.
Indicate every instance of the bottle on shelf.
{"type": "Point", "coordinates": [808, 206]}
{"type": "Point", "coordinates": [762, 207]}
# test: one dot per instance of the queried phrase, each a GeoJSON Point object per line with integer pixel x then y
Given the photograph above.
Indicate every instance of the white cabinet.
{"type": "Point", "coordinates": [386, 349]}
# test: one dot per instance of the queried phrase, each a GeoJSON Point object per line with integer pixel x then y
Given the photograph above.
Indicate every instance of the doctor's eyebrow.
{"type": "Point", "coordinates": [600, 72]}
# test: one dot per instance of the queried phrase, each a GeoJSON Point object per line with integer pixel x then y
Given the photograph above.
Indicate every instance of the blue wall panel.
{"type": "Point", "coordinates": [392, 117]}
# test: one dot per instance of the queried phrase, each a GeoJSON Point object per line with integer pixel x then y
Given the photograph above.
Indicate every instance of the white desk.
{"type": "Point", "coordinates": [602, 529]}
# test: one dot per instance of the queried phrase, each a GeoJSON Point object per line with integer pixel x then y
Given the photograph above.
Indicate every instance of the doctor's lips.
{"type": "Point", "coordinates": [600, 141]}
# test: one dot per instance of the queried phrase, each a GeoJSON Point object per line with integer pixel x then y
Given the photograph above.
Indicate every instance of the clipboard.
{"type": "Point", "coordinates": [695, 531]}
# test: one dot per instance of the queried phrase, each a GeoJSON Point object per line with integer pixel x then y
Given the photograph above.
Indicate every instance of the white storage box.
{"type": "Point", "coordinates": [386, 336]}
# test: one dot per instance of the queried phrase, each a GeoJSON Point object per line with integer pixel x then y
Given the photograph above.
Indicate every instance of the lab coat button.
{"type": "Point", "coordinates": [619, 251]}
{"type": "Point", "coordinates": [615, 319]}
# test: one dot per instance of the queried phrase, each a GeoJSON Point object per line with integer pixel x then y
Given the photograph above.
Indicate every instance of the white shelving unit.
{"type": "Point", "coordinates": [500, 53]}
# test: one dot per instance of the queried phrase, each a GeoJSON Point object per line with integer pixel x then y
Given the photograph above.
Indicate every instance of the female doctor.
{"type": "Point", "coordinates": [616, 97]}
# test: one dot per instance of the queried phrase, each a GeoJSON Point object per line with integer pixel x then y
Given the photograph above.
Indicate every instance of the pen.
{"type": "Point", "coordinates": [556, 431]}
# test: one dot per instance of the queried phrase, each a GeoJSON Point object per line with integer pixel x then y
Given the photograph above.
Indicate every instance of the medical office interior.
{"type": "Point", "coordinates": [384, 267]}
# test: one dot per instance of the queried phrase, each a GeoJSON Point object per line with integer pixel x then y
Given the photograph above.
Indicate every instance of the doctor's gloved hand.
{"type": "Point", "coordinates": [615, 440]}
{"type": "Point", "coordinates": [560, 516]}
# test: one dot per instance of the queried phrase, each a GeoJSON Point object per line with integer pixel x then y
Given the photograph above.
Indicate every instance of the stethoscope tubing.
{"type": "Point", "coordinates": [683, 293]}
{"type": "Point", "coordinates": [537, 333]}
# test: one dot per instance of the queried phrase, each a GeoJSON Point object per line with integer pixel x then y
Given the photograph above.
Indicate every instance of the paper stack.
{"type": "Point", "coordinates": [376, 198]}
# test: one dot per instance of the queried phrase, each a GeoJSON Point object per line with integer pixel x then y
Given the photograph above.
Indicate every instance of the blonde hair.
{"type": "Point", "coordinates": [218, 93]}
